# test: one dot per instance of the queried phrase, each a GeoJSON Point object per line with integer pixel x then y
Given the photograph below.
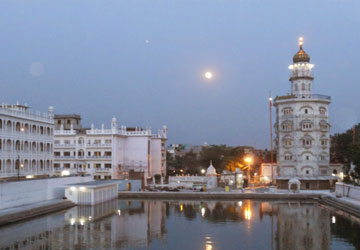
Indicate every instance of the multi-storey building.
{"type": "Point", "coordinates": [108, 153]}
{"type": "Point", "coordinates": [303, 130]}
{"type": "Point", "coordinates": [26, 141]}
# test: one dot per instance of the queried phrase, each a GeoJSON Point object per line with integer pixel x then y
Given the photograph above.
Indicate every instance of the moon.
{"type": "Point", "coordinates": [208, 75]}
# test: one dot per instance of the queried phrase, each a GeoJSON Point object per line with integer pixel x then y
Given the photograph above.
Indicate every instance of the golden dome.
{"type": "Point", "coordinates": [301, 55]}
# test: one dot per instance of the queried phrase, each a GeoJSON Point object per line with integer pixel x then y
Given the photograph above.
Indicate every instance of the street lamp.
{"type": "Point", "coordinates": [249, 161]}
{"type": "Point", "coordinates": [271, 140]}
{"type": "Point", "coordinates": [203, 171]}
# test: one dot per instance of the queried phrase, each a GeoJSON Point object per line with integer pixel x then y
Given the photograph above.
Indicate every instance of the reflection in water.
{"type": "Point", "coordinates": [204, 225]}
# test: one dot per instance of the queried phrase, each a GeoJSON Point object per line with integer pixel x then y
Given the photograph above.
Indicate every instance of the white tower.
{"type": "Point", "coordinates": [302, 129]}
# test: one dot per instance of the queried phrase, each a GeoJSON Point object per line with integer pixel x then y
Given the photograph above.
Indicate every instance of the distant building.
{"type": "Point", "coordinates": [303, 130]}
{"type": "Point", "coordinates": [108, 153]}
{"type": "Point", "coordinates": [26, 141]}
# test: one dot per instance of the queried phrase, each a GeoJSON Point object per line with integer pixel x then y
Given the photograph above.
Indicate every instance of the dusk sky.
{"type": "Point", "coordinates": [143, 61]}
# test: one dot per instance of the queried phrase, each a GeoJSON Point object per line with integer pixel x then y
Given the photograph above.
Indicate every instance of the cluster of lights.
{"type": "Point", "coordinates": [298, 65]}
{"type": "Point", "coordinates": [82, 189]}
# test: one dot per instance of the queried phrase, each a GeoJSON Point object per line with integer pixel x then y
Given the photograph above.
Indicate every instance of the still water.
{"type": "Point", "coordinates": [209, 225]}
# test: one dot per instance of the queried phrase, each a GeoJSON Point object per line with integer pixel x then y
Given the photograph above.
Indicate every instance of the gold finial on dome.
{"type": "Point", "coordinates": [301, 55]}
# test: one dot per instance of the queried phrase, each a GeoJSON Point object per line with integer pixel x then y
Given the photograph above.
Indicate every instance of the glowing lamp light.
{"type": "Point", "coordinates": [72, 188]}
{"type": "Point", "coordinates": [203, 211]}
{"type": "Point", "coordinates": [248, 160]}
{"type": "Point", "coordinates": [29, 177]}
{"type": "Point", "coordinates": [119, 212]}
{"type": "Point", "coordinates": [240, 203]}
{"type": "Point", "coordinates": [333, 220]}
{"type": "Point", "coordinates": [65, 173]}
{"type": "Point", "coordinates": [82, 189]}
{"type": "Point", "coordinates": [72, 221]}
{"type": "Point", "coordinates": [203, 171]}
{"type": "Point", "coordinates": [301, 40]}
{"type": "Point", "coordinates": [208, 75]}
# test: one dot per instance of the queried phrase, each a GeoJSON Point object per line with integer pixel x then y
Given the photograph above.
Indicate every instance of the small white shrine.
{"type": "Point", "coordinates": [194, 181]}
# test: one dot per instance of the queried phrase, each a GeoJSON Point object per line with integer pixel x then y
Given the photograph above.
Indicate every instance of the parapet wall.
{"type": "Point", "coordinates": [20, 193]}
{"type": "Point", "coordinates": [346, 190]}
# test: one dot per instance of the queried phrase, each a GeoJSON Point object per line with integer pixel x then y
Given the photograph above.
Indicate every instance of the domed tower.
{"type": "Point", "coordinates": [301, 77]}
{"type": "Point", "coordinates": [302, 129]}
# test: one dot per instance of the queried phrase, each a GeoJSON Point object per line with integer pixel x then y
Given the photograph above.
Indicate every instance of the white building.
{"type": "Point", "coordinates": [109, 153]}
{"type": "Point", "coordinates": [26, 141]}
{"type": "Point", "coordinates": [303, 130]}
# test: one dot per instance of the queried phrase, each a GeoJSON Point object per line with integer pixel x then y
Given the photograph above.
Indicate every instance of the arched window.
{"type": "Point", "coordinates": [303, 86]}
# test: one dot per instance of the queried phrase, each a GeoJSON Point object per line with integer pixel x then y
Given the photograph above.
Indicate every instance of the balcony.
{"type": "Point", "coordinates": [64, 145]}
{"type": "Point", "coordinates": [107, 145]}
{"type": "Point", "coordinates": [64, 157]}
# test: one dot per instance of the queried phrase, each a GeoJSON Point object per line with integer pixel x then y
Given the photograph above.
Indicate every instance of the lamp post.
{"type": "Point", "coordinates": [271, 142]}
{"type": "Point", "coordinates": [249, 160]}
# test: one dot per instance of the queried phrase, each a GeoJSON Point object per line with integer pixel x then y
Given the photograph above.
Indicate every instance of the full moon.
{"type": "Point", "coordinates": [208, 75]}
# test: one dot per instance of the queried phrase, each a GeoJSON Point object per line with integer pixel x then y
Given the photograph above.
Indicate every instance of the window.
{"type": "Point", "coordinates": [57, 153]}
{"type": "Point", "coordinates": [303, 86]}
{"type": "Point", "coordinates": [66, 153]}
{"type": "Point", "coordinates": [287, 111]}
{"type": "Point", "coordinates": [68, 121]}
{"type": "Point", "coordinates": [287, 126]}
{"type": "Point", "coordinates": [67, 165]}
{"type": "Point", "coordinates": [322, 157]}
{"type": "Point", "coordinates": [288, 142]}
{"type": "Point", "coordinates": [306, 111]}
{"type": "Point", "coordinates": [67, 142]}
{"type": "Point", "coordinates": [306, 142]}
{"type": "Point", "coordinates": [323, 142]}
{"type": "Point", "coordinates": [307, 125]}
{"type": "Point", "coordinates": [97, 153]}
{"type": "Point", "coordinates": [59, 122]}
{"type": "Point", "coordinates": [307, 171]}
{"type": "Point", "coordinates": [97, 142]}
{"type": "Point", "coordinates": [288, 157]}
{"type": "Point", "coordinates": [97, 165]}
{"type": "Point", "coordinates": [107, 141]}
{"type": "Point", "coordinates": [322, 110]}
{"type": "Point", "coordinates": [108, 153]}
{"type": "Point", "coordinates": [56, 142]}
{"type": "Point", "coordinates": [307, 158]}
{"type": "Point", "coordinates": [108, 165]}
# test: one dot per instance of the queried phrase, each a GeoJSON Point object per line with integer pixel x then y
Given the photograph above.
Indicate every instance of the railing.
{"type": "Point", "coordinates": [64, 132]}
{"type": "Point", "coordinates": [307, 96]}
{"type": "Point", "coordinates": [64, 145]}
{"type": "Point", "coordinates": [64, 157]}
{"type": "Point", "coordinates": [27, 114]}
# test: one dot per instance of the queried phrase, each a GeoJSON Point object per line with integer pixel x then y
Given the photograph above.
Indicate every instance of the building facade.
{"type": "Point", "coordinates": [26, 142]}
{"type": "Point", "coordinates": [109, 153]}
{"type": "Point", "coordinates": [302, 130]}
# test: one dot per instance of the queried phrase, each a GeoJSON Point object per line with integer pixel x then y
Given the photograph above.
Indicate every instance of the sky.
{"type": "Point", "coordinates": [144, 60]}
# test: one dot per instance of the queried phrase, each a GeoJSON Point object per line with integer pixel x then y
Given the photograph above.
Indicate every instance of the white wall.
{"type": "Point", "coordinates": [20, 193]}
{"type": "Point", "coordinates": [345, 190]}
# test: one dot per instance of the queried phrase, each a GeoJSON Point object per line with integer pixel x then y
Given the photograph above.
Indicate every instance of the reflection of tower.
{"type": "Point", "coordinates": [302, 226]}
{"type": "Point", "coordinates": [302, 129]}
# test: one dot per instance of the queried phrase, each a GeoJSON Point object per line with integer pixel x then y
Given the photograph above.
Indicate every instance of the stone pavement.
{"type": "Point", "coordinates": [16, 214]}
